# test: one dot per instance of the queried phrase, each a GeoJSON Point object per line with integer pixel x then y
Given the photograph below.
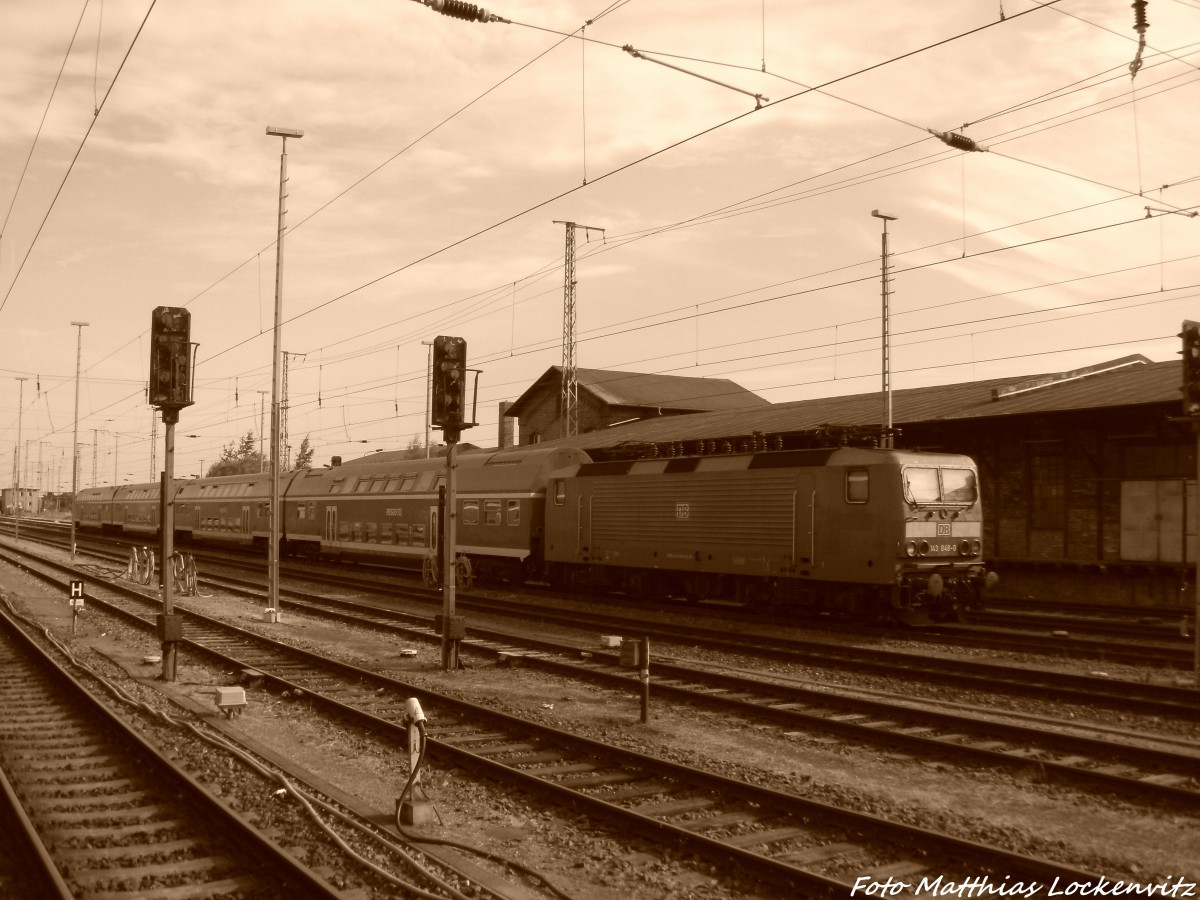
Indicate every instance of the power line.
{"type": "Point", "coordinates": [70, 168]}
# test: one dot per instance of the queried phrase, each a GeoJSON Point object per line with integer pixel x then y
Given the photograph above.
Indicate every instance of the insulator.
{"type": "Point", "coordinates": [1139, 16]}
{"type": "Point", "coordinates": [956, 140]}
{"type": "Point", "coordinates": [458, 9]}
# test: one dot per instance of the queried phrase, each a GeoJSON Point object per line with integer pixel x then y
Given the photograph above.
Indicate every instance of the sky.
{"type": "Point", "coordinates": [730, 236]}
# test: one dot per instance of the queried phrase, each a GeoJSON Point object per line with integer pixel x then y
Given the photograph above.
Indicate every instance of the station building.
{"type": "Point", "coordinates": [1088, 477]}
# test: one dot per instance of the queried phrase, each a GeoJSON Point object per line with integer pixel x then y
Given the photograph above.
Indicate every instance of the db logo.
{"type": "Point", "coordinates": [943, 528]}
{"type": "Point", "coordinates": [683, 510]}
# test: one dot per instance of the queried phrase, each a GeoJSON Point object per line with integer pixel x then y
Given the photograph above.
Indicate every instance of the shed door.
{"type": "Point", "coordinates": [1158, 519]}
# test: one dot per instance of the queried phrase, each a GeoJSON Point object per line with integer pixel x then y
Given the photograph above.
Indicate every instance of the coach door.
{"type": "Point", "coordinates": [245, 520]}
{"type": "Point", "coordinates": [330, 524]}
{"type": "Point", "coordinates": [435, 533]}
{"type": "Point", "coordinates": [804, 521]}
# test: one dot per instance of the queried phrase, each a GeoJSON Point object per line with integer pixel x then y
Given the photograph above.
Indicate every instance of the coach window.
{"type": "Point", "coordinates": [491, 512]}
{"type": "Point", "coordinates": [425, 480]}
{"type": "Point", "coordinates": [408, 483]}
{"type": "Point", "coordinates": [385, 533]}
{"type": "Point", "coordinates": [356, 531]}
{"type": "Point", "coordinates": [417, 535]}
{"type": "Point", "coordinates": [372, 534]}
{"type": "Point", "coordinates": [402, 534]}
{"type": "Point", "coordinates": [363, 486]}
{"type": "Point", "coordinates": [470, 512]}
{"type": "Point", "coordinates": [514, 512]}
{"type": "Point", "coordinates": [857, 485]}
{"type": "Point", "coordinates": [560, 493]}
{"type": "Point", "coordinates": [393, 485]}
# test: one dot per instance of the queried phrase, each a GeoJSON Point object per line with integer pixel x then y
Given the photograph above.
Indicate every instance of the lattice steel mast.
{"type": "Point", "coordinates": [569, 397]}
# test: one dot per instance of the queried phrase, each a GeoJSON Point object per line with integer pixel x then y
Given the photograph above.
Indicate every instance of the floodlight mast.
{"type": "Point", "coordinates": [274, 509]}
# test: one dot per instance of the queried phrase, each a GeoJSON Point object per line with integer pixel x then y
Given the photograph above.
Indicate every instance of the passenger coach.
{"type": "Point", "coordinates": [387, 507]}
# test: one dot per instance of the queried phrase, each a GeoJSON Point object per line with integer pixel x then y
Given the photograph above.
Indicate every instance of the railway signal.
{"type": "Point", "coordinates": [449, 382]}
{"type": "Point", "coordinates": [448, 413]}
{"type": "Point", "coordinates": [171, 356]}
{"type": "Point", "coordinates": [1191, 367]}
{"type": "Point", "coordinates": [170, 359]}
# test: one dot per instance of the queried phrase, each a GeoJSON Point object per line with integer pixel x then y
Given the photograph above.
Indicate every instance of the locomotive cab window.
{"type": "Point", "coordinates": [470, 512]}
{"type": "Point", "coordinates": [958, 486]}
{"type": "Point", "coordinates": [857, 486]}
{"type": "Point", "coordinates": [514, 512]}
{"type": "Point", "coordinates": [940, 487]}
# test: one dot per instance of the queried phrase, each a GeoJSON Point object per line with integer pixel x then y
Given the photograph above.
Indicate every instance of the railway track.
{"type": "Point", "coordinates": [1047, 754]}
{"type": "Point", "coordinates": [777, 836]}
{"type": "Point", "coordinates": [103, 814]}
{"type": "Point", "coordinates": [1154, 644]}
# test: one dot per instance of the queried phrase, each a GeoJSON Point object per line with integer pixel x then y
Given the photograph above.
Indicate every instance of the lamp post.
{"type": "Point", "coordinates": [75, 440]}
{"type": "Point", "coordinates": [886, 436]}
{"type": "Point", "coordinates": [273, 549]}
{"type": "Point", "coordinates": [17, 475]}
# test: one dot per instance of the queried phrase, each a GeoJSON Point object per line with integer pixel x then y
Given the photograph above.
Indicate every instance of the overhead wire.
{"type": "Point", "coordinates": [397, 154]}
{"type": "Point", "coordinates": [41, 123]}
{"type": "Point", "coordinates": [75, 158]}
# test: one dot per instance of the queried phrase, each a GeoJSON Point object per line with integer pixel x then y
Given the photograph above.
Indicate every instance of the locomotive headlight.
{"type": "Point", "coordinates": [964, 548]}
{"type": "Point", "coordinates": [910, 548]}
{"type": "Point", "coordinates": [923, 548]}
{"type": "Point", "coordinates": [976, 546]}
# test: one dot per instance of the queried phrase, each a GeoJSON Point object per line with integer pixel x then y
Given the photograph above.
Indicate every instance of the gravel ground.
{"type": "Point", "coordinates": [1141, 842]}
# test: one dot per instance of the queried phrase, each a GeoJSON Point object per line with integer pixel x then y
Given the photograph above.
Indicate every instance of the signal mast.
{"type": "Point", "coordinates": [172, 360]}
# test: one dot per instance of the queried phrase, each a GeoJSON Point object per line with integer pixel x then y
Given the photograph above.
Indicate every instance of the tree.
{"type": "Point", "coordinates": [304, 455]}
{"type": "Point", "coordinates": [415, 449]}
{"type": "Point", "coordinates": [243, 459]}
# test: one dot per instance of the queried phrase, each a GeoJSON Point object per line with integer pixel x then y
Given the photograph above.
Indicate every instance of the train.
{"type": "Point", "coordinates": [862, 533]}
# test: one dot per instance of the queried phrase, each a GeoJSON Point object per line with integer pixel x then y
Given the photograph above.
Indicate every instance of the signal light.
{"type": "Point", "coordinates": [170, 357]}
{"type": "Point", "coordinates": [1191, 367]}
{"type": "Point", "coordinates": [449, 381]}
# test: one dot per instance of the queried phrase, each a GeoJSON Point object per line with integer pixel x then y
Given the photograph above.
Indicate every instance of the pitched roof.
{"type": "Point", "coordinates": [1130, 381]}
{"type": "Point", "coordinates": [674, 392]}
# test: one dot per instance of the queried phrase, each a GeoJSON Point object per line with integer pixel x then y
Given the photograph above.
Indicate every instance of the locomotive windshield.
{"type": "Point", "coordinates": [939, 486]}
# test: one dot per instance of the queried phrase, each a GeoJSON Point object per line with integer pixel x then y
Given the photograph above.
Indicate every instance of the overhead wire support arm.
{"type": "Point", "coordinates": [759, 99]}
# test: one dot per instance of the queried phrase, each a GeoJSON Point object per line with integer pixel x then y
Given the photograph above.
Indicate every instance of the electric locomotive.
{"type": "Point", "coordinates": [863, 533]}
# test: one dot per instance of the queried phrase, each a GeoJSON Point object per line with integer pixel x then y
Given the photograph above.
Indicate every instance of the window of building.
{"type": "Point", "coordinates": [1144, 461]}
{"type": "Point", "coordinates": [1047, 478]}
